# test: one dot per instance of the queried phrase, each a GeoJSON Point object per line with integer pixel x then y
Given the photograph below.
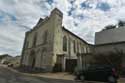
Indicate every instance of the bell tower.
{"type": "Point", "coordinates": [57, 17]}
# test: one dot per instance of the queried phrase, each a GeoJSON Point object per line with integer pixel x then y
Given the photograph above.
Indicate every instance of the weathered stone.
{"type": "Point", "coordinates": [49, 44]}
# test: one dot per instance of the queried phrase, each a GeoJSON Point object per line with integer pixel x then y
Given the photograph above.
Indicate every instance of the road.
{"type": "Point", "coordinates": [9, 76]}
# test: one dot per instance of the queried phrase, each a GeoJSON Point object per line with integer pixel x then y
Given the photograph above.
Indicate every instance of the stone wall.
{"type": "Point", "coordinates": [110, 35]}
{"type": "Point", "coordinates": [43, 45]}
{"type": "Point", "coordinates": [44, 50]}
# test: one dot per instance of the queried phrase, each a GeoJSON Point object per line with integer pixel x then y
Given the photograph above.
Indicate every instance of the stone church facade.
{"type": "Point", "coordinates": [51, 47]}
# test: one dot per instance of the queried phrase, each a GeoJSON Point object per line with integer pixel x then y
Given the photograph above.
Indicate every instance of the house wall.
{"type": "Point", "coordinates": [106, 49]}
{"type": "Point", "coordinates": [110, 40]}
{"type": "Point", "coordinates": [102, 49]}
{"type": "Point", "coordinates": [80, 47]}
{"type": "Point", "coordinates": [110, 35]}
{"type": "Point", "coordinates": [46, 55]}
{"type": "Point", "coordinates": [44, 52]}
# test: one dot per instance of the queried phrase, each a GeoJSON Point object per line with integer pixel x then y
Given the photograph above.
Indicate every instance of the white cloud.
{"type": "Point", "coordinates": [21, 15]}
{"type": "Point", "coordinates": [11, 38]}
{"type": "Point", "coordinates": [26, 14]}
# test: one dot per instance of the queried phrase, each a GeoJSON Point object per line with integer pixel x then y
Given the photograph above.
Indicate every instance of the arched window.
{"type": "Point", "coordinates": [64, 43]}
{"type": "Point", "coordinates": [35, 39]}
{"type": "Point", "coordinates": [74, 46]}
{"type": "Point", "coordinates": [45, 35]}
{"type": "Point", "coordinates": [77, 47]}
{"type": "Point", "coordinates": [26, 44]}
{"type": "Point", "coordinates": [85, 51]}
{"type": "Point", "coordinates": [43, 56]}
{"type": "Point", "coordinates": [32, 58]}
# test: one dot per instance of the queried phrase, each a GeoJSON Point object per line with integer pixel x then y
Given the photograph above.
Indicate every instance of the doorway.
{"type": "Point", "coordinates": [70, 65]}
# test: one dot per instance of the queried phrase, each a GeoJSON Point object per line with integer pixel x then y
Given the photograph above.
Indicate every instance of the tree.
{"type": "Point", "coordinates": [110, 27]}
{"type": "Point", "coordinates": [4, 55]}
{"type": "Point", "coordinates": [112, 58]}
{"type": "Point", "coordinates": [121, 23]}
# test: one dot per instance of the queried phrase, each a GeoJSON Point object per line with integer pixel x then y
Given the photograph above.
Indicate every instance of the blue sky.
{"type": "Point", "coordinates": [83, 17]}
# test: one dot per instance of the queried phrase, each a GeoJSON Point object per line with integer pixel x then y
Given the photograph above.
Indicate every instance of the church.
{"type": "Point", "coordinates": [49, 46]}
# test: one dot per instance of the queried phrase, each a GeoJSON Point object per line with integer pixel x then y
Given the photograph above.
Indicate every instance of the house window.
{"type": "Point", "coordinates": [27, 44]}
{"type": "Point", "coordinates": [64, 43]}
{"type": "Point", "coordinates": [43, 56]}
{"type": "Point", "coordinates": [74, 46]}
{"type": "Point", "coordinates": [78, 47]}
{"type": "Point", "coordinates": [85, 51]}
{"type": "Point", "coordinates": [34, 40]}
{"type": "Point", "coordinates": [45, 35]}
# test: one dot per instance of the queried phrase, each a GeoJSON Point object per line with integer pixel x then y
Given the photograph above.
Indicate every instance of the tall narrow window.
{"type": "Point", "coordinates": [64, 43]}
{"type": "Point", "coordinates": [42, 57]}
{"type": "Point", "coordinates": [74, 46]}
{"type": "Point", "coordinates": [27, 44]}
{"type": "Point", "coordinates": [35, 39]}
{"type": "Point", "coordinates": [88, 50]}
{"type": "Point", "coordinates": [45, 35]}
{"type": "Point", "coordinates": [82, 49]}
{"type": "Point", "coordinates": [85, 50]}
{"type": "Point", "coordinates": [77, 47]}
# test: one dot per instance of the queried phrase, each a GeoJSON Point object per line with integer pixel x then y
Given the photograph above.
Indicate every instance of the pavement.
{"type": "Point", "coordinates": [58, 75]}
{"type": "Point", "coordinates": [8, 75]}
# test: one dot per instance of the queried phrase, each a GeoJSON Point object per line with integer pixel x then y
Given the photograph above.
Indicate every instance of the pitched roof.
{"type": "Point", "coordinates": [112, 43]}
{"type": "Point", "coordinates": [74, 34]}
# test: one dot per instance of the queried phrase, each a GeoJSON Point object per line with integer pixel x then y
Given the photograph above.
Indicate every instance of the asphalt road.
{"type": "Point", "coordinates": [9, 76]}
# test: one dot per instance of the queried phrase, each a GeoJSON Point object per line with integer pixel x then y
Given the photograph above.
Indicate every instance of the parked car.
{"type": "Point", "coordinates": [103, 73]}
